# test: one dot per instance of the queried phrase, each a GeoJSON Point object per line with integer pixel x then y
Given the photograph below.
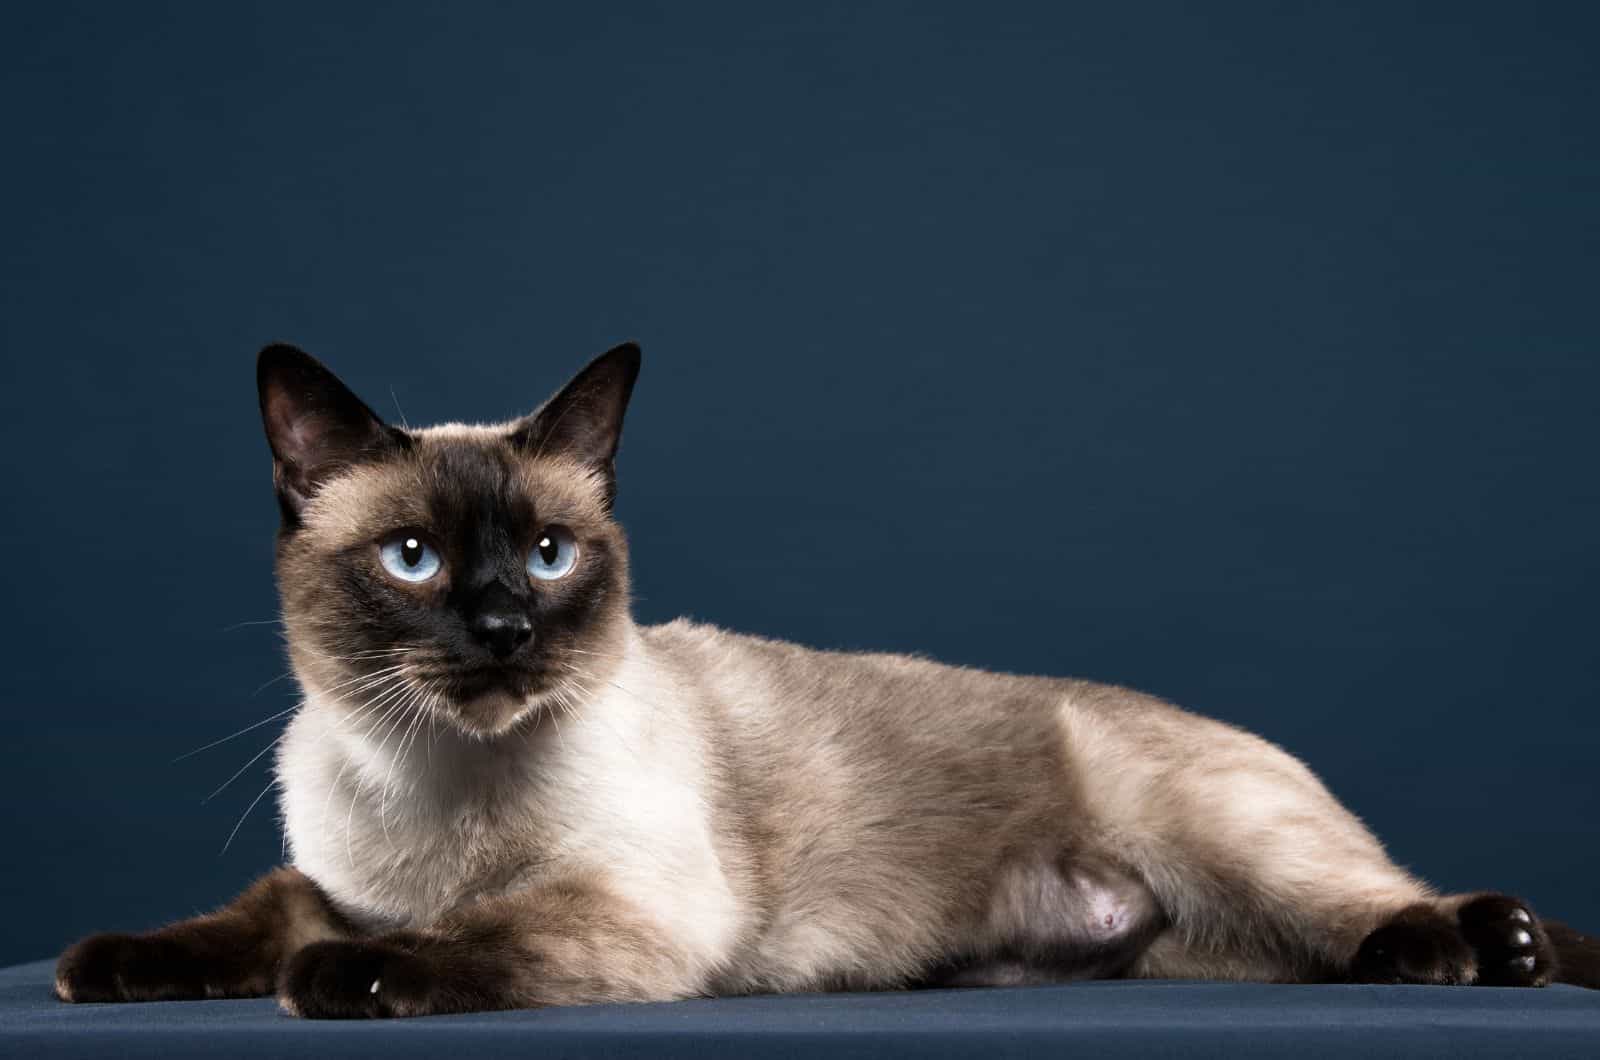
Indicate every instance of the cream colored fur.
{"type": "Point", "coordinates": [792, 820]}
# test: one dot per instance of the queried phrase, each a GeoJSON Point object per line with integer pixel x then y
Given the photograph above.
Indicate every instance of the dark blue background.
{"type": "Point", "coordinates": [1244, 355]}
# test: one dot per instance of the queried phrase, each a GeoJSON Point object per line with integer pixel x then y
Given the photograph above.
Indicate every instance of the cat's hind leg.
{"type": "Point", "coordinates": [1260, 873]}
{"type": "Point", "coordinates": [236, 951]}
{"type": "Point", "coordinates": [1263, 875]}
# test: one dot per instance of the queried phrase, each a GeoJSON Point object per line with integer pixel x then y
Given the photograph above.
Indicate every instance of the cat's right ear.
{"type": "Point", "coordinates": [315, 425]}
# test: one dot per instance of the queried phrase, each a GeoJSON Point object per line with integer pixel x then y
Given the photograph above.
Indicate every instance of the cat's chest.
{"type": "Point", "coordinates": [400, 844]}
{"type": "Point", "coordinates": [396, 842]}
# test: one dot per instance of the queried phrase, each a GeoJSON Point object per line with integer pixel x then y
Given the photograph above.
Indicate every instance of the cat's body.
{"type": "Point", "coordinates": [787, 844]}
{"type": "Point", "coordinates": [501, 791]}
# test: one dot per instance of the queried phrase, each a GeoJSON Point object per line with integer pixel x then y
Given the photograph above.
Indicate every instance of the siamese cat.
{"type": "Point", "coordinates": [501, 792]}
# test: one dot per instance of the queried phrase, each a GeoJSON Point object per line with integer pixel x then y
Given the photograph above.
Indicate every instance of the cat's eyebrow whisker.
{"type": "Point", "coordinates": [248, 728]}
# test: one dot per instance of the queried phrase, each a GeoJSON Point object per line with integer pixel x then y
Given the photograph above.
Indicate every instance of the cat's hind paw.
{"type": "Point", "coordinates": [1489, 940]}
{"type": "Point", "coordinates": [1511, 945]}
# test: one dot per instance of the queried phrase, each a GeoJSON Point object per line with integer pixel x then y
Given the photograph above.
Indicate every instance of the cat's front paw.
{"type": "Point", "coordinates": [113, 967]}
{"type": "Point", "coordinates": [369, 979]}
{"type": "Point", "coordinates": [90, 970]}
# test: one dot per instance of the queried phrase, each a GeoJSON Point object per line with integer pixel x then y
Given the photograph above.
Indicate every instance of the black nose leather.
{"type": "Point", "coordinates": [501, 623]}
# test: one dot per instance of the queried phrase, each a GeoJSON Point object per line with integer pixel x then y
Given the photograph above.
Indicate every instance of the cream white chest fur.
{"type": "Point", "coordinates": [398, 837]}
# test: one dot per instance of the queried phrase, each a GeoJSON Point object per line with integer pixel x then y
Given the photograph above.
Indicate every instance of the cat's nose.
{"type": "Point", "coordinates": [502, 626]}
{"type": "Point", "coordinates": [502, 632]}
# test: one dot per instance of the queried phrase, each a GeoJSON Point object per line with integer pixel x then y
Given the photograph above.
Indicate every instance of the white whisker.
{"type": "Point", "coordinates": [246, 813]}
{"type": "Point", "coordinates": [248, 728]}
{"type": "Point", "coordinates": [254, 759]}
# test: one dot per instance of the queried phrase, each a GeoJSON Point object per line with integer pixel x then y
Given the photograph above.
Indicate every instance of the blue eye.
{"type": "Point", "coordinates": [554, 554]}
{"type": "Point", "coordinates": [409, 558]}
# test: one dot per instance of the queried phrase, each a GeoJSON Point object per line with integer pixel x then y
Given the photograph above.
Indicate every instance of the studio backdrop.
{"type": "Point", "coordinates": [1245, 354]}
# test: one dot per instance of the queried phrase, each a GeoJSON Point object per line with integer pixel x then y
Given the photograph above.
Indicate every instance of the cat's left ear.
{"type": "Point", "coordinates": [584, 421]}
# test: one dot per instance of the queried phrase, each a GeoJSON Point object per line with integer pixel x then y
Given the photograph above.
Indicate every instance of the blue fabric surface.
{"type": "Point", "coordinates": [1091, 1019]}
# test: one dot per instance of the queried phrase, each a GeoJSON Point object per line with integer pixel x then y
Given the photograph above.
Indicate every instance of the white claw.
{"type": "Point", "coordinates": [374, 989]}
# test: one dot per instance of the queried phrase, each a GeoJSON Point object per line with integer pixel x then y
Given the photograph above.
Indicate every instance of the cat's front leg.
{"type": "Point", "coordinates": [567, 943]}
{"type": "Point", "coordinates": [236, 951]}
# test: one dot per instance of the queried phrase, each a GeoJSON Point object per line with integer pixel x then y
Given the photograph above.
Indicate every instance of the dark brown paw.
{"type": "Point", "coordinates": [1492, 940]}
{"type": "Point", "coordinates": [1511, 945]}
{"type": "Point", "coordinates": [356, 980]}
{"type": "Point", "coordinates": [126, 968]}
{"type": "Point", "coordinates": [1419, 945]}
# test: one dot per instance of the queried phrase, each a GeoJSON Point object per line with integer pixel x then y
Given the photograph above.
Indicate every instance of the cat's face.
{"type": "Point", "coordinates": [470, 574]}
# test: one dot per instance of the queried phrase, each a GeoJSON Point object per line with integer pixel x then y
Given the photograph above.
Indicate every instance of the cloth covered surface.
{"type": "Point", "coordinates": [1092, 1019]}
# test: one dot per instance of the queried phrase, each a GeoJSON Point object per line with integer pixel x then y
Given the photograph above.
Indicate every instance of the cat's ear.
{"type": "Point", "coordinates": [584, 421]}
{"type": "Point", "coordinates": [315, 425]}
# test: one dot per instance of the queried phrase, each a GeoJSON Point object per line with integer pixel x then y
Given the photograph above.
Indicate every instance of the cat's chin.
{"type": "Point", "coordinates": [493, 713]}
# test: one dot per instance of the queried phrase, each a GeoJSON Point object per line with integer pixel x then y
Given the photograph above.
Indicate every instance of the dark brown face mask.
{"type": "Point", "coordinates": [488, 556]}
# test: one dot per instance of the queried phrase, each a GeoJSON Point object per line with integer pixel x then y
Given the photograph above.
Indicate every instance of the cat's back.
{"type": "Point", "coordinates": [766, 677]}
{"type": "Point", "coordinates": [757, 677]}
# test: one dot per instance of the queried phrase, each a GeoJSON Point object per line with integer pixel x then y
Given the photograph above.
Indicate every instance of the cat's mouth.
{"type": "Point", "coordinates": [487, 700]}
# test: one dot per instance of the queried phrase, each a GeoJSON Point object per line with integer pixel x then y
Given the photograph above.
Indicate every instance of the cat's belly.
{"type": "Point", "coordinates": [1043, 919]}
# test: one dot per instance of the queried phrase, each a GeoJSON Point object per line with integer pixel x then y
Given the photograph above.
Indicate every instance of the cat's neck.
{"type": "Point", "coordinates": [399, 824]}
{"type": "Point", "coordinates": [606, 695]}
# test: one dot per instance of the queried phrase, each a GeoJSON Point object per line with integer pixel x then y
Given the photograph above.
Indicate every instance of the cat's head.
{"type": "Point", "coordinates": [474, 572]}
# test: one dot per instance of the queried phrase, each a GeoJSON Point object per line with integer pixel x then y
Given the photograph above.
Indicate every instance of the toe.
{"type": "Point", "coordinates": [1511, 946]}
{"type": "Point", "coordinates": [351, 980]}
